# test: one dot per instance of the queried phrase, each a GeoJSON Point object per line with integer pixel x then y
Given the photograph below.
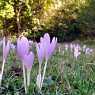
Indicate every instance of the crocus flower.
{"type": "Point", "coordinates": [46, 47]}
{"type": "Point", "coordinates": [45, 50]}
{"type": "Point", "coordinates": [66, 46]}
{"type": "Point", "coordinates": [28, 60]}
{"type": "Point", "coordinates": [49, 46]}
{"type": "Point", "coordinates": [40, 52]}
{"type": "Point", "coordinates": [84, 47]}
{"type": "Point", "coordinates": [22, 46]}
{"type": "Point", "coordinates": [71, 47]}
{"type": "Point", "coordinates": [6, 48]}
{"type": "Point", "coordinates": [30, 42]}
{"type": "Point", "coordinates": [53, 45]}
{"type": "Point", "coordinates": [12, 46]}
{"type": "Point", "coordinates": [26, 57]}
{"type": "Point", "coordinates": [76, 51]}
{"type": "Point", "coordinates": [23, 52]}
{"type": "Point", "coordinates": [88, 51]}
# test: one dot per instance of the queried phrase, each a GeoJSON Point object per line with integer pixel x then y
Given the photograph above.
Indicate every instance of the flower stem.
{"type": "Point", "coordinates": [28, 77]}
{"type": "Point", "coordinates": [38, 81]}
{"type": "Point", "coordinates": [44, 73]}
{"type": "Point", "coordinates": [39, 68]}
{"type": "Point", "coordinates": [1, 75]}
{"type": "Point", "coordinates": [24, 76]}
{"type": "Point", "coordinates": [40, 76]}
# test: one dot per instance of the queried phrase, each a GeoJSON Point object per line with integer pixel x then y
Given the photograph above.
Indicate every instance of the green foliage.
{"type": "Point", "coordinates": [61, 18]}
{"type": "Point", "coordinates": [7, 11]}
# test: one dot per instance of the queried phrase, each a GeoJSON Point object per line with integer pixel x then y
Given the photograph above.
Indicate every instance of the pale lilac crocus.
{"type": "Point", "coordinates": [45, 50]}
{"type": "Point", "coordinates": [26, 57]}
{"type": "Point", "coordinates": [30, 42]}
{"type": "Point", "coordinates": [49, 46]}
{"type": "Point", "coordinates": [6, 48]}
{"type": "Point", "coordinates": [23, 52]}
{"type": "Point", "coordinates": [84, 47]}
{"type": "Point", "coordinates": [76, 51]}
{"type": "Point", "coordinates": [71, 47]}
{"type": "Point", "coordinates": [22, 46]}
{"type": "Point", "coordinates": [12, 46]}
{"type": "Point", "coordinates": [40, 51]}
{"type": "Point", "coordinates": [66, 46]}
{"type": "Point", "coordinates": [28, 60]}
{"type": "Point", "coordinates": [88, 51]}
{"type": "Point", "coordinates": [46, 47]}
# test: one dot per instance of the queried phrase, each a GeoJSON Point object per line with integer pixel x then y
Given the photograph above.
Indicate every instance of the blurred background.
{"type": "Point", "coordinates": [66, 19]}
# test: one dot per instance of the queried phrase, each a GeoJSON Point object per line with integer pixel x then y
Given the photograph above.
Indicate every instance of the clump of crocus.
{"type": "Point", "coordinates": [45, 50]}
{"type": "Point", "coordinates": [6, 48]}
{"type": "Point", "coordinates": [26, 57]}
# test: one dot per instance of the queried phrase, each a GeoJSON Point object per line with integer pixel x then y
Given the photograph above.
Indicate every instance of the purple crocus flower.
{"type": "Point", "coordinates": [71, 47]}
{"type": "Point", "coordinates": [46, 47]}
{"type": "Point", "coordinates": [30, 42]}
{"type": "Point", "coordinates": [49, 46]}
{"type": "Point", "coordinates": [40, 52]}
{"type": "Point", "coordinates": [76, 51]}
{"type": "Point", "coordinates": [45, 50]}
{"type": "Point", "coordinates": [28, 60]}
{"type": "Point", "coordinates": [26, 57]}
{"type": "Point", "coordinates": [6, 48]}
{"type": "Point", "coordinates": [22, 46]}
{"type": "Point", "coordinates": [66, 46]}
{"type": "Point", "coordinates": [12, 46]}
{"type": "Point", "coordinates": [53, 44]}
{"type": "Point", "coordinates": [88, 51]}
{"type": "Point", "coordinates": [23, 52]}
{"type": "Point", "coordinates": [84, 47]}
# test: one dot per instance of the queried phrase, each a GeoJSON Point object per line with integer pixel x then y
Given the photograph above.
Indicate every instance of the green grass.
{"type": "Point", "coordinates": [64, 76]}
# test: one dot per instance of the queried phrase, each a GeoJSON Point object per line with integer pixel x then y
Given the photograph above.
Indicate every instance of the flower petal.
{"type": "Point", "coordinates": [28, 60]}
{"type": "Point", "coordinates": [40, 52]}
{"type": "Point", "coordinates": [6, 48]}
{"type": "Point", "coordinates": [22, 46]}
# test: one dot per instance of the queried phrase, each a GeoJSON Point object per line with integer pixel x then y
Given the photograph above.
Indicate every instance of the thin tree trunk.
{"type": "Point", "coordinates": [18, 19]}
